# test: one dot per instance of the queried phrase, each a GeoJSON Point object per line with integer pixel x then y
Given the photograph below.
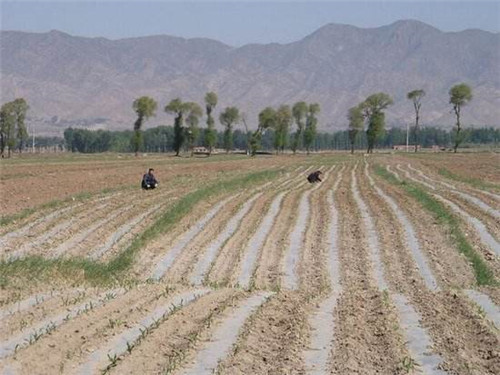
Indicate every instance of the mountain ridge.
{"type": "Point", "coordinates": [91, 82]}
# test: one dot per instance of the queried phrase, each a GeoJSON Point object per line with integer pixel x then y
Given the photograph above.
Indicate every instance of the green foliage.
{"type": "Point", "coordinates": [299, 112]}
{"type": "Point", "coordinates": [228, 118]}
{"type": "Point", "coordinates": [137, 141]}
{"type": "Point", "coordinates": [193, 118]}
{"type": "Point", "coordinates": [356, 121]}
{"type": "Point", "coordinates": [376, 103]}
{"type": "Point", "coordinates": [416, 97]}
{"type": "Point", "coordinates": [255, 142]}
{"type": "Point", "coordinates": [20, 108]}
{"type": "Point", "coordinates": [375, 130]}
{"type": "Point", "coordinates": [372, 109]}
{"type": "Point", "coordinates": [179, 109]}
{"type": "Point", "coordinates": [282, 127]}
{"type": "Point", "coordinates": [210, 133]}
{"type": "Point", "coordinates": [12, 127]}
{"type": "Point", "coordinates": [267, 119]}
{"type": "Point", "coordinates": [460, 95]}
{"type": "Point", "coordinates": [144, 107]}
{"type": "Point", "coordinates": [484, 275]}
{"type": "Point", "coordinates": [311, 125]}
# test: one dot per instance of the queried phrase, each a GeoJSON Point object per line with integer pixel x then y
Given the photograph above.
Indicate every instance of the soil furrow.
{"type": "Point", "coordinates": [491, 310]}
{"type": "Point", "coordinates": [129, 338]}
{"type": "Point", "coordinates": [211, 251]}
{"type": "Point", "coordinates": [257, 241]}
{"type": "Point", "coordinates": [292, 255]}
{"type": "Point", "coordinates": [122, 231]}
{"type": "Point", "coordinates": [322, 322]}
{"type": "Point", "coordinates": [184, 330]}
{"type": "Point", "coordinates": [13, 344]}
{"type": "Point", "coordinates": [461, 337]}
{"type": "Point", "coordinates": [224, 336]}
{"type": "Point", "coordinates": [228, 258]}
{"type": "Point", "coordinates": [166, 262]}
{"type": "Point", "coordinates": [417, 338]}
{"type": "Point", "coordinates": [411, 237]}
{"type": "Point", "coordinates": [485, 215]}
{"type": "Point", "coordinates": [366, 339]}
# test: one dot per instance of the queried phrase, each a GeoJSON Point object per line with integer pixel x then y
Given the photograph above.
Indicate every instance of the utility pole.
{"type": "Point", "coordinates": [33, 143]}
{"type": "Point", "coordinates": [407, 135]}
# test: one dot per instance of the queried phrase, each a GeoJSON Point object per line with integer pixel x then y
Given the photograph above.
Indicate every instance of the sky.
{"type": "Point", "coordinates": [238, 22]}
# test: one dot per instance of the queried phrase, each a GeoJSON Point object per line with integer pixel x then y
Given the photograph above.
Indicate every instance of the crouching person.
{"type": "Point", "coordinates": [149, 181]}
{"type": "Point", "coordinates": [314, 177]}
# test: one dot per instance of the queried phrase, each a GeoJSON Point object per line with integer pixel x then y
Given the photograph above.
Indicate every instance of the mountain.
{"type": "Point", "coordinates": [92, 82]}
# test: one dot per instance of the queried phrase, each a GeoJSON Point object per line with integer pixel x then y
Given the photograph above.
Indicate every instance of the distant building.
{"type": "Point", "coordinates": [404, 147]}
{"type": "Point", "coordinates": [200, 150]}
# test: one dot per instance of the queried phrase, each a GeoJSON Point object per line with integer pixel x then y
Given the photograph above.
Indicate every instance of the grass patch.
{"type": "Point", "coordinates": [483, 274]}
{"type": "Point", "coordinates": [480, 184]}
{"type": "Point", "coordinates": [98, 273]}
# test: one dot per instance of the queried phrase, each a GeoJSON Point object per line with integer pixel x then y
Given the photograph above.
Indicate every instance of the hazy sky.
{"type": "Point", "coordinates": [238, 22]}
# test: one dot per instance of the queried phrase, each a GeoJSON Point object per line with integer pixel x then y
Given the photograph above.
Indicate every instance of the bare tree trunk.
{"type": "Point", "coordinates": [416, 132]}
{"type": "Point", "coordinates": [457, 135]}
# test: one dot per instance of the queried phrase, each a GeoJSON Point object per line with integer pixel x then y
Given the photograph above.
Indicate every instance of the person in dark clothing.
{"type": "Point", "coordinates": [149, 181]}
{"type": "Point", "coordinates": [314, 177]}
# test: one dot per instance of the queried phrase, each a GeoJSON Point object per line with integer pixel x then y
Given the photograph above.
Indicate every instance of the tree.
{"type": "Point", "coordinates": [177, 107]}
{"type": "Point", "coordinates": [372, 109]}
{"type": "Point", "coordinates": [356, 121]}
{"type": "Point", "coordinates": [282, 127]}
{"type": "Point", "coordinates": [20, 108]}
{"type": "Point", "coordinates": [299, 112]}
{"type": "Point", "coordinates": [267, 120]}
{"type": "Point", "coordinates": [7, 128]}
{"type": "Point", "coordinates": [193, 117]}
{"type": "Point", "coordinates": [248, 134]}
{"type": "Point", "coordinates": [311, 124]}
{"type": "Point", "coordinates": [376, 126]}
{"type": "Point", "coordinates": [416, 96]}
{"type": "Point", "coordinates": [228, 118]}
{"type": "Point", "coordinates": [145, 108]}
{"type": "Point", "coordinates": [460, 95]}
{"type": "Point", "coordinates": [210, 134]}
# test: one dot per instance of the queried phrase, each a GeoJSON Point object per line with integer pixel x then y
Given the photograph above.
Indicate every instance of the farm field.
{"type": "Point", "coordinates": [236, 265]}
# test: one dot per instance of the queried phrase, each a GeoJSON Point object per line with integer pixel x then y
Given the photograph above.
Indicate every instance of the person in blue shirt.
{"type": "Point", "coordinates": [149, 180]}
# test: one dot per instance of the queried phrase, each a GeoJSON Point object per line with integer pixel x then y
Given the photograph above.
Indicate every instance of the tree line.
{"type": "Point", "coordinates": [161, 139]}
{"type": "Point", "coordinates": [274, 129]}
{"type": "Point", "coordinates": [186, 131]}
{"type": "Point", "coordinates": [371, 111]}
